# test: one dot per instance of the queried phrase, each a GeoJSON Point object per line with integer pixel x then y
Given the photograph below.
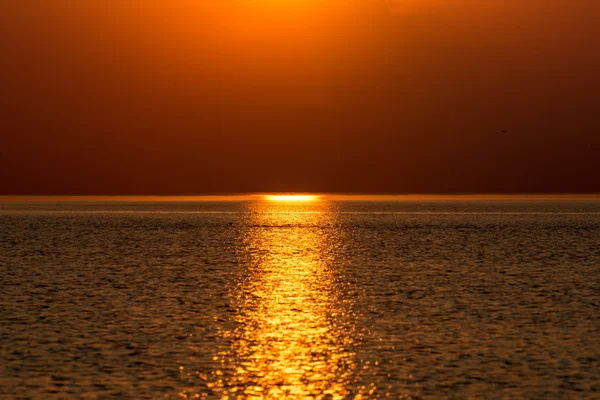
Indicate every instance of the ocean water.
{"type": "Point", "coordinates": [326, 300]}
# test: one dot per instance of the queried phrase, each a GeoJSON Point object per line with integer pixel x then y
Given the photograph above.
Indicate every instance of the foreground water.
{"type": "Point", "coordinates": [327, 299]}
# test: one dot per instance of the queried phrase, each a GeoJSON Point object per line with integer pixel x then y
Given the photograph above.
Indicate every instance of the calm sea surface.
{"type": "Point", "coordinates": [327, 299]}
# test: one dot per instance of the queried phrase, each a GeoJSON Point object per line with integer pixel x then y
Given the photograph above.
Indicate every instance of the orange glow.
{"type": "Point", "coordinates": [291, 197]}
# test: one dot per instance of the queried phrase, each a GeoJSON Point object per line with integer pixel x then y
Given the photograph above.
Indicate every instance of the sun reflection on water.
{"type": "Point", "coordinates": [291, 337]}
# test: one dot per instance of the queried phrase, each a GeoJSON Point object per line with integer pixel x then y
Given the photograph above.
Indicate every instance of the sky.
{"type": "Point", "coordinates": [175, 97]}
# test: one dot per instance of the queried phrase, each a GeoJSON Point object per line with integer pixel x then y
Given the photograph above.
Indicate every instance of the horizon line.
{"type": "Point", "coordinates": [320, 195]}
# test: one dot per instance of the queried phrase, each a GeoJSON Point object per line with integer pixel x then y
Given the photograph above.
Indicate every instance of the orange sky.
{"type": "Point", "coordinates": [190, 97]}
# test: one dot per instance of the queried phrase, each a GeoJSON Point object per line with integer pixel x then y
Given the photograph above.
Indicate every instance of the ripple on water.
{"type": "Point", "coordinates": [256, 300]}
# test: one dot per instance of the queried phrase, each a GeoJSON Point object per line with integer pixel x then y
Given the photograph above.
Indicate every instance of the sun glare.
{"type": "Point", "coordinates": [291, 197]}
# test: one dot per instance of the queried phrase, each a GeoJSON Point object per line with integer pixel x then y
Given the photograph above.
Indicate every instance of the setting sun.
{"type": "Point", "coordinates": [291, 197]}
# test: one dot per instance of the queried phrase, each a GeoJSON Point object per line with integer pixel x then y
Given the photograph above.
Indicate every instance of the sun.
{"type": "Point", "coordinates": [291, 197]}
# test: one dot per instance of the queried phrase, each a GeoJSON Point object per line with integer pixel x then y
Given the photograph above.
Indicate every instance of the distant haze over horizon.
{"type": "Point", "coordinates": [168, 97]}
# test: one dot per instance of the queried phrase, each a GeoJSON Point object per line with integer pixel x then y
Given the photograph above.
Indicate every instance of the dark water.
{"type": "Point", "coordinates": [432, 299]}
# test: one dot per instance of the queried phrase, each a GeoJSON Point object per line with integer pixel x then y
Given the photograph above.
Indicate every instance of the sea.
{"type": "Point", "coordinates": [401, 298]}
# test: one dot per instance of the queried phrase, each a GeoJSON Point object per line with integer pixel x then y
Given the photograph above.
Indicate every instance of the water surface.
{"type": "Point", "coordinates": [328, 299]}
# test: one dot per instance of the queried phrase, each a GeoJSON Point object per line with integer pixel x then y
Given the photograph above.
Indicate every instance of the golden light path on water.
{"type": "Point", "coordinates": [291, 339]}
